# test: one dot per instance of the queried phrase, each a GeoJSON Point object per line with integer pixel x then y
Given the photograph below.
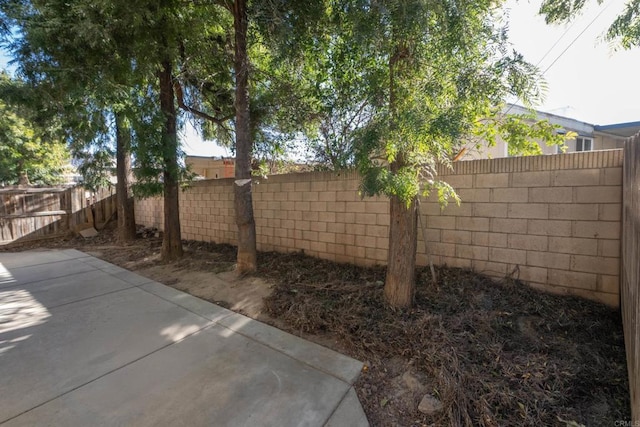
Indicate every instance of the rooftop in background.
{"type": "Point", "coordinates": [589, 137]}
{"type": "Point", "coordinates": [211, 167]}
{"type": "Point", "coordinates": [624, 130]}
{"type": "Point", "coordinates": [616, 130]}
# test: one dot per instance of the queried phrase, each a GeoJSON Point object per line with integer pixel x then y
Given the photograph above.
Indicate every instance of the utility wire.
{"type": "Point", "coordinates": [565, 49]}
{"type": "Point", "coordinates": [577, 37]}
{"type": "Point", "coordinates": [573, 24]}
{"type": "Point", "coordinates": [504, 113]}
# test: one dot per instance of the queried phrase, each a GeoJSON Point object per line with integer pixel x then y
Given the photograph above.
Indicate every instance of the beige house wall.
{"type": "Point", "coordinates": [552, 221]}
{"type": "Point", "coordinates": [211, 168]}
{"type": "Point", "coordinates": [600, 142]}
{"type": "Point", "coordinates": [607, 142]}
{"type": "Point", "coordinates": [484, 151]}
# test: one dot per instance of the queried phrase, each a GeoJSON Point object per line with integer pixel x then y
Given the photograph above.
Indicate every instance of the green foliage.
{"type": "Point", "coordinates": [94, 59]}
{"type": "Point", "coordinates": [23, 152]}
{"type": "Point", "coordinates": [436, 74]}
{"type": "Point", "coordinates": [27, 148]}
{"type": "Point", "coordinates": [96, 168]}
{"type": "Point", "coordinates": [150, 161]}
{"type": "Point", "coordinates": [279, 106]}
{"type": "Point", "coordinates": [625, 29]}
{"type": "Point", "coordinates": [345, 97]}
{"type": "Point", "coordinates": [62, 49]}
{"type": "Point", "coordinates": [523, 133]}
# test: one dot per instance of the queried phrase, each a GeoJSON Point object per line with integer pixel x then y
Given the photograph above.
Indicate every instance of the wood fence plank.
{"type": "Point", "coordinates": [27, 214]}
{"type": "Point", "coordinates": [630, 274]}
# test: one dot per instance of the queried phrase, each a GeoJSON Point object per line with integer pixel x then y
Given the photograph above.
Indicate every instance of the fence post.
{"type": "Point", "coordinates": [630, 266]}
{"type": "Point", "coordinates": [68, 207]}
{"type": "Point", "coordinates": [76, 204]}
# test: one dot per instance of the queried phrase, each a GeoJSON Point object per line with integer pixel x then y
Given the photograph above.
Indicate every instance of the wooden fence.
{"type": "Point", "coordinates": [630, 280]}
{"type": "Point", "coordinates": [36, 213]}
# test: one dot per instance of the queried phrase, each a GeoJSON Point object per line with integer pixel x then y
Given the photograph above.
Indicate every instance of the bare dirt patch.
{"type": "Point", "coordinates": [494, 353]}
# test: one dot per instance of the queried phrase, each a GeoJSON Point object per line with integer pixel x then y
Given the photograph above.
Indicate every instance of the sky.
{"type": "Point", "coordinates": [194, 145]}
{"type": "Point", "coordinates": [590, 81]}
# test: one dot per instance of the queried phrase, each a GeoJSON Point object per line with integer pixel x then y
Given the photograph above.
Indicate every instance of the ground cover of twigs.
{"type": "Point", "coordinates": [494, 353]}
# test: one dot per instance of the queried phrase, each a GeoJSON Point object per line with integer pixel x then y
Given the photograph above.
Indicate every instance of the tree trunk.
{"type": "Point", "coordinates": [124, 200]}
{"type": "Point", "coordinates": [171, 241]}
{"type": "Point", "coordinates": [242, 188]}
{"type": "Point", "coordinates": [399, 285]}
{"type": "Point", "coordinates": [403, 227]}
{"type": "Point", "coordinates": [23, 177]}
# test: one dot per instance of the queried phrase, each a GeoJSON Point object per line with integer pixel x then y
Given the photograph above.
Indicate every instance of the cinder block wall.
{"type": "Point", "coordinates": [552, 221]}
{"type": "Point", "coordinates": [150, 212]}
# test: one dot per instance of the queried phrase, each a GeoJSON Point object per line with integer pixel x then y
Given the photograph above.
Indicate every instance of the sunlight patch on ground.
{"type": "Point", "coordinates": [19, 309]}
{"type": "Point", "coordinates": [5, 276]}
{"type": "Point", "coordinates": [6, 345]}
{"type": "Point", "coordinates": [178, 332]}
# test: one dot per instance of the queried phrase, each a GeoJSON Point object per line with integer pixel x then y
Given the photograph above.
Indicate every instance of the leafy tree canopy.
{"type": "Point", "coordinates": [438, 73]}
{"type": "Point", "coordinates": [624, 30]}
{"type": "Point", "coordinates": [29, 152]}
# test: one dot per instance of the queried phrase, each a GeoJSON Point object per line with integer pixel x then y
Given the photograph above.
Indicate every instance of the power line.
{"type": "Point", "coordinates": [565, 49]}
{"type": "Point", "coordinates": [577, 37]}
{"type": "Point", "coordinates": [556, 43]}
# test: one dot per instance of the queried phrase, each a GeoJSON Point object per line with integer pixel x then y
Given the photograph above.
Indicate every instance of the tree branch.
{"type": "Point", "coordinates": [180, 97]}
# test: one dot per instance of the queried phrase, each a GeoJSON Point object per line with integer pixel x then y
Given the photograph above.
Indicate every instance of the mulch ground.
{"type": "Point", "coordinates": [495, 353]}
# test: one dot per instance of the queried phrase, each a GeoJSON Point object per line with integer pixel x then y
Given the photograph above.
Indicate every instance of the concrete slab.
{"type": "Point", "coordinates": [195, 305]}
{"type": "Point", "coordinates": [51, 352]}
{"type": "Point", "coordinates": [76, 287]}
{"type": "Point", "coordinates": [212, 378]}
{"type": "Point", "coordinates": [112, 269]}
{"type": "Point", "coordinates": [25, 274]}
{"type": "Point", "coordinates": [105, 266]}
{"type": "Point", "coordinates": [131, 278]}
{"type": "Point", "coordinates": [75, 254]}
{"type": "Point", "coordinates": [322, 358]}
{"type": "Point", "coordinates": [97, 262]}
{"type": "Point", "coordinates": [349, 413]}
{"type": "Point", "coordinates": [84, 342]}
{"type": "Point", "coordinates": [27, 258]}
{"type": "Point", "coordinates": [6, 278]}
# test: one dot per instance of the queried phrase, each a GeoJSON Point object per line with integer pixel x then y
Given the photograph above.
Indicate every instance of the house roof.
{"type": "Point", "coordinates": [619, 130]}
{"type": "Point", "coordinates": [567, 123]}
{"type": "Point", "coordinates": [208, 157]}
{"type": "Point", "coordinates": [623, 130]}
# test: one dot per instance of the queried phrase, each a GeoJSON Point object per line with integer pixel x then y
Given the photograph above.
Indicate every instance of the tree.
{"type": "Point", "coordinates": [344, 97]}
{"type": "Point", "coordinates": [26, 158]}
{"type": "Point", "coordinates": [439, 71]}
{"type": "Point", "coordinates": [625, 29]}
{"type": "Point", "coordinates": [171, 243]}
{"type": "Point", "coordinates": [246, 79]}
{"type": "Point", "coordinates": [247, 256]}
{"type": "Point", "coordinates": [61, 51]}
{"type": "Point", "coordinates": [143, 41]}
{"type": "Point", "coordinates": [124, 196]}
{"type": "Point", "coordinates": [29, 153]}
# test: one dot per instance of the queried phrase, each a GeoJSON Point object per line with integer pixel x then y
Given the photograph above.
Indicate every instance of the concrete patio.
{"type": "Point", "coordinates": [84, 342]}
